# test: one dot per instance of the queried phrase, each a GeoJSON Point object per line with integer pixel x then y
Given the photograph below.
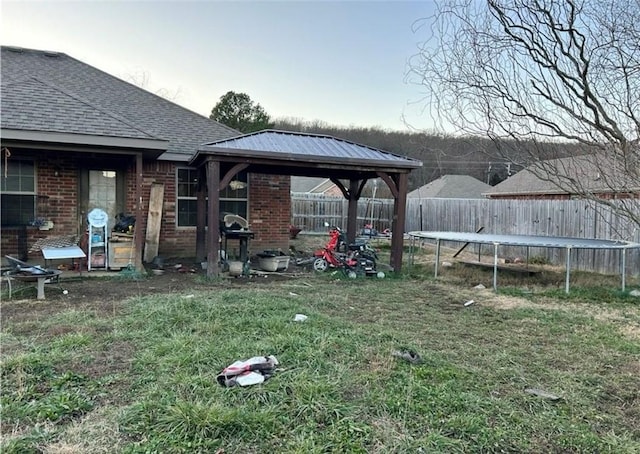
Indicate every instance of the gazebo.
{"type": "Point", "coordinates": [291, 153]}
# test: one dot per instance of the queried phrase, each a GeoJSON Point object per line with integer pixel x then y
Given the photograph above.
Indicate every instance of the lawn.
{"type": "Point", "coordinates": [139, 375]}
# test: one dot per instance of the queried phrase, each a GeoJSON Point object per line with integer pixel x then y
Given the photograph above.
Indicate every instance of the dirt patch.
{"type": "Point", "coordinates": [104, 293]}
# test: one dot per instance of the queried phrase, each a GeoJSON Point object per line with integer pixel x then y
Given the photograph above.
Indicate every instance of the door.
{"type": "Point", "coordinates": [103, 193]}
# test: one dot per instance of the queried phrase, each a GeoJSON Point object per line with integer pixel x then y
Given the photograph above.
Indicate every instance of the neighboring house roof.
{"type": "Point", "coordinates": [64, 95]}
{"type": "Point", "coordinates": [311, 185]}
{"type": "Point", "coordinates": [451, 187]}
{"type": "Point", "coordinates": [593, 173]}
{"type": "Point", "coordinates": [293, 146]}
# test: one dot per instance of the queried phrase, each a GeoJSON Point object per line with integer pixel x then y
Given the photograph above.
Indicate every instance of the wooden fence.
{"type": "Point", "coordinates": [566, 218]}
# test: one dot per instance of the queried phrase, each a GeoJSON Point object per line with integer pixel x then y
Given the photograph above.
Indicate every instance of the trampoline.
{"type": "Point", "coordinates": [529, 241]}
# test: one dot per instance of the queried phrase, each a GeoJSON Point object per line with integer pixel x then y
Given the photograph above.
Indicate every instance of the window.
{"type": "Point", "coordinates": [232, 200]}
{"type": "Point", "coordinates": [18, 191]}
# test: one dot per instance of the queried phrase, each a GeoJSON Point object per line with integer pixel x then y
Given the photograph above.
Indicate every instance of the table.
{"type": "Point", "coordinates": [243, 237]}
{"type": "Point", "coordinates": [65, 252]}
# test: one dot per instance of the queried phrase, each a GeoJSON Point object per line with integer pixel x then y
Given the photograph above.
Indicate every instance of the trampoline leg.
{"type": "Point", "coordinates": [623, 265]}
{"type": "Point", "coordinates": [411, 245]}
{"type": "Point", "coordinates": [495, 267]}
{"type": "Point", "coordinates": [566, 283]}
{"type": "Point", "coordinates": [435, 274]}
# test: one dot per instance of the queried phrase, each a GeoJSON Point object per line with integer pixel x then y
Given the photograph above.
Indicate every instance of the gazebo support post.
{"type": "Point", "coordinates": [213, 218]}
{"type": "Point", "coordinates": [352, 212]}
{"type": "Point", "coordinates": [201, 216]}
{"type": "Point", "coordinates": [397, 226]}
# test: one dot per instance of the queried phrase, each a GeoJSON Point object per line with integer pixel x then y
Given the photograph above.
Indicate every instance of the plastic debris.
{"type": "Point", "coordinates": [542, 393]}
{"type": "Point", "coordinates": [479, 287]}
{"type": "Point", "coordinates": [469, 303]}
{"type": "Point", "coordinates": [300, 318]}
{"type": "Point", "coordinates": [248, 372]}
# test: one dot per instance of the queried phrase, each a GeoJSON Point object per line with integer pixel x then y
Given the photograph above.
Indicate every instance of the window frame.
{"type": "Point", "coordinates": [180, 198]}
{"type": "Point", "coordinates": [32, 194]}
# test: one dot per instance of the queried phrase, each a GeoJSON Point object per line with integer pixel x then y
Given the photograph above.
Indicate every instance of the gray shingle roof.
{"type": "Point", "coordinates": [52, 110]}
{"type": "Point", "coordinates": [595, 173]}
{"type": "Point", "coordinates": [87, 100]}
{"type": "Point", "coordinates": [307, 184]}
{"type": "Point", "coordinates": [451, 187]}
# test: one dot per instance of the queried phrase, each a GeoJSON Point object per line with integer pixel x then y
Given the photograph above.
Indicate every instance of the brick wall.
{"type": "Point", "coordinates": [57, 188]}
{"type": "Point", "coordinates": [270, 211]}
{"type": "Point", "coordinates": [57, 191]}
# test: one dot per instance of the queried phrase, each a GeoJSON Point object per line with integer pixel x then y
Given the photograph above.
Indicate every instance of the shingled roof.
{"type": "Point", "coordinates": [451, 187]}
{"type": "Point", "coordinates": [595, 173]}
{"type": "Point", "coordinates": [53, 92]}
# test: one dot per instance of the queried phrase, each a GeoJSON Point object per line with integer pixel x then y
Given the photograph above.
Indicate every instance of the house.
{"type": "Point", "coordinates": [451, 187]}
{"type": "Point", "coordinates": [311, 185]}
{"type": "Point", "coordinates": [565, 178]}
{"type": "Point", "coordinates": [75, 138]}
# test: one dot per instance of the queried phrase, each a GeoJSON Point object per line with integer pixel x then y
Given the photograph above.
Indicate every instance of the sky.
{"type": "Point", "coordinates": [343, 63]}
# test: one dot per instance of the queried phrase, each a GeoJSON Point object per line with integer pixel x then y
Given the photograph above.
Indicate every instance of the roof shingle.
{"type": "Point", "coordinates": [80, 98]}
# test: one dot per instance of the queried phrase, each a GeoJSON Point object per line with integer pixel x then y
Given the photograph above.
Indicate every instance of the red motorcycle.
{"type": "Point", "coordinates": [358, 260]}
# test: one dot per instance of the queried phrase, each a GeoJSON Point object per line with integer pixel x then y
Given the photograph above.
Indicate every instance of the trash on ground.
{"type": "Point", "coordinates": [300, 318]}
{"type": "Point", "coordinates": [191, 295]}
{"type": "Point", "coordinates": [293, 294]}
{"type": "Point", "coordinates": [634, 293]}
{"type": "Point", "coordinates": [248, 372]}
{"type": "Point", "coordinates": [479, 287]}
{"type": "Point", "coordinates": [469, 303]}
{"type": "Point", "coordinates": [542, 393]}
{"type": "Point", "coordinates": [408, 355]}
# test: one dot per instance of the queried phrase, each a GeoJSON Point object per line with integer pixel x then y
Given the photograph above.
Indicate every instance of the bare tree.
{"type": "Point", "coordinates": [142, 79]}
{"type": "Point", "coordinates": [537, 75]}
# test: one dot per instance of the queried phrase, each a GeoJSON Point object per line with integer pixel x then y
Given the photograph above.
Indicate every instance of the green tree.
{"type": "Point", "coordinates": [238, 111]}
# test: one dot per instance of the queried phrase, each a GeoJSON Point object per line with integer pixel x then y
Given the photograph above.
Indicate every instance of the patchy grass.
{"type": "Point", "coordinates": [141, 377]}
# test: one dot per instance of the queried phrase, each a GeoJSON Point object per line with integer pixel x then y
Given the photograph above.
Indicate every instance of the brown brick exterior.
{"type": "Point", "coordinates": [58, 201]}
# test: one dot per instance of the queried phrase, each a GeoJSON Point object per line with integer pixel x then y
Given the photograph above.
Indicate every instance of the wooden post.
{"type": "Point", "coordinates": [201, 216]}
{"type": "Point", "coordinates": [138, 232]}
{"type": "Point", "coordinates": [154, 221]}
{"type": "Point", "coordinates": [397, 228]}
{"type": "Point", "coordinates": [352, 211]}
{"type": "Point", "coordinates": [213, 218]}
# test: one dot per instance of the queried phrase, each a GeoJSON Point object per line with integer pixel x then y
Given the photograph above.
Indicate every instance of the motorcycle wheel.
{"type": "Point", "coordinates": [320, 264]}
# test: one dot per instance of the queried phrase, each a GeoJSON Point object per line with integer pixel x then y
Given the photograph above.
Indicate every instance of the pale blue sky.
{"type": "Point", "coordinates": [339, 62]}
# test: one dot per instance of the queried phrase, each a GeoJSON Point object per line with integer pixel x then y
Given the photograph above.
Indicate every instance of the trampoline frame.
{"type": "Point", "coordinates": [528, 241]}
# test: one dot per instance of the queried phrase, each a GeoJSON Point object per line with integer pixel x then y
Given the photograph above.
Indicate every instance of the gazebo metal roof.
{"type": "Point", "coordinates": [302, 150]}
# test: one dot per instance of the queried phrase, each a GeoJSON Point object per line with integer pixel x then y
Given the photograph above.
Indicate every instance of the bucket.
{"type": "Point", "coordinates": [235, 268]}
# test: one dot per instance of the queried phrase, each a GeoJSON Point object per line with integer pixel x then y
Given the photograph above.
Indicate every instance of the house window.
{"type": "Point", "coordinates": [18, 190]}
{"type": "Point", "coordinates": [232, 200]}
